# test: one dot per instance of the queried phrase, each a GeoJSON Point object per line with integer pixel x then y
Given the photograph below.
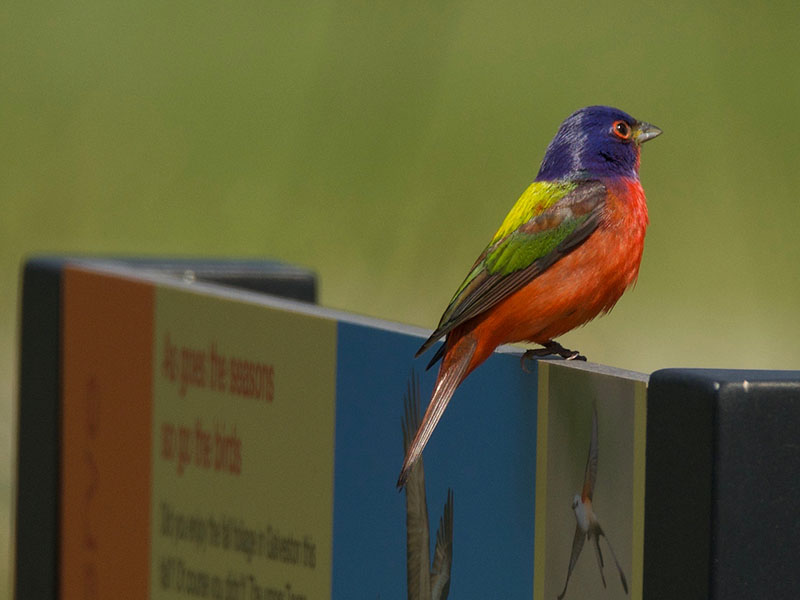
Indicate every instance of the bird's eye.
{"type": "Point", "coordinates": [622, 130]}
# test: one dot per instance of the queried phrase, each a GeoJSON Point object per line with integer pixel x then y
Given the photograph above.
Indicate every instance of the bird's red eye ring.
{"type": "Point", "coordinates": [621, 129]}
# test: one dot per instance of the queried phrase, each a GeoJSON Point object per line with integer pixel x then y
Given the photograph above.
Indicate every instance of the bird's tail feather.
{"type": "Point", "coordinates": [454, 369]}
{"type": "Point", "coordinates": [614, 556]}
{"type": "Point", "coordinates": [599, 556]}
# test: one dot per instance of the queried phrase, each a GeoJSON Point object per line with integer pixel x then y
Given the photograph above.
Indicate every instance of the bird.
{"type": "Point", "coordinates": [426, 580]}
{"type": "Point", "coordinates": [587, 525]}
{"type": "Point", "coordinates": [565, 253]}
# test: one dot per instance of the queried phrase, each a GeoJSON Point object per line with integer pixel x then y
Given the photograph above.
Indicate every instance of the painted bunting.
{"type": "Point", "coordinates": [566, 252]}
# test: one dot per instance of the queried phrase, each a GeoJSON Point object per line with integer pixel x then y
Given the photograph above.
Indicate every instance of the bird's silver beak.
{"type": "Point", "coordinates": [645, 131]}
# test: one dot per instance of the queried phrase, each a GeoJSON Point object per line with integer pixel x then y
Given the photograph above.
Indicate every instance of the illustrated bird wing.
{"type": "Point", "coordinates": [590, 476]}
{"type": "Point", "coordinates": [577, 546]}
{"type": "Point", "coordinates": [443, 553]}
{"type": "Point", "coordinates": [548, 221]}
{"type": "Point", "coordinates": [417, 528]}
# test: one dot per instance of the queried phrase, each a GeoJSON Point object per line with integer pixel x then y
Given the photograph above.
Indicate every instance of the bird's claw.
{"type": "Point", "coordinates": [525, 356]}
{"type": "Point", "coordinates": [549, 349]}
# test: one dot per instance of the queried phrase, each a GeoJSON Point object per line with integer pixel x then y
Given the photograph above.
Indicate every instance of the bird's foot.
{"type": "Point", "coordinates": [551, 348]}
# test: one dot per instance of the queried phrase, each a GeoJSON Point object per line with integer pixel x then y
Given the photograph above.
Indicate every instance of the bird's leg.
{"type": "Point", "coordinates": [551, 347]}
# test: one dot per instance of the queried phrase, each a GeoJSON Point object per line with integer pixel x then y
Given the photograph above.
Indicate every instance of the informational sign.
{"type": "Point", "coordinates": [228, 445]}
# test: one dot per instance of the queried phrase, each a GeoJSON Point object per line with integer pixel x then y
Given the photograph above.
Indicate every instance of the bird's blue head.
{"type": "Point", "coordinates": [596, 141]}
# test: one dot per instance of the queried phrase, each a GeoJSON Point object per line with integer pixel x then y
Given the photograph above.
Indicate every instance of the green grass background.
{"type": "Point", "coordinates": [381, 144]}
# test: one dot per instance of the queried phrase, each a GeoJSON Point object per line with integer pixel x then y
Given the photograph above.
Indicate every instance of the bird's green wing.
{"type": "Point", "coordinates": [548, 221]}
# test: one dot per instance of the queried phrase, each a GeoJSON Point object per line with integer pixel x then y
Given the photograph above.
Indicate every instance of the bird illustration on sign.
{"type": "Point", "coordinates": [587, 525]}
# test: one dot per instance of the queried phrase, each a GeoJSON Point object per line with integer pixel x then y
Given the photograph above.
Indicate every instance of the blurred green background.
{"type": "Point", "coordinates": [381, 144]}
